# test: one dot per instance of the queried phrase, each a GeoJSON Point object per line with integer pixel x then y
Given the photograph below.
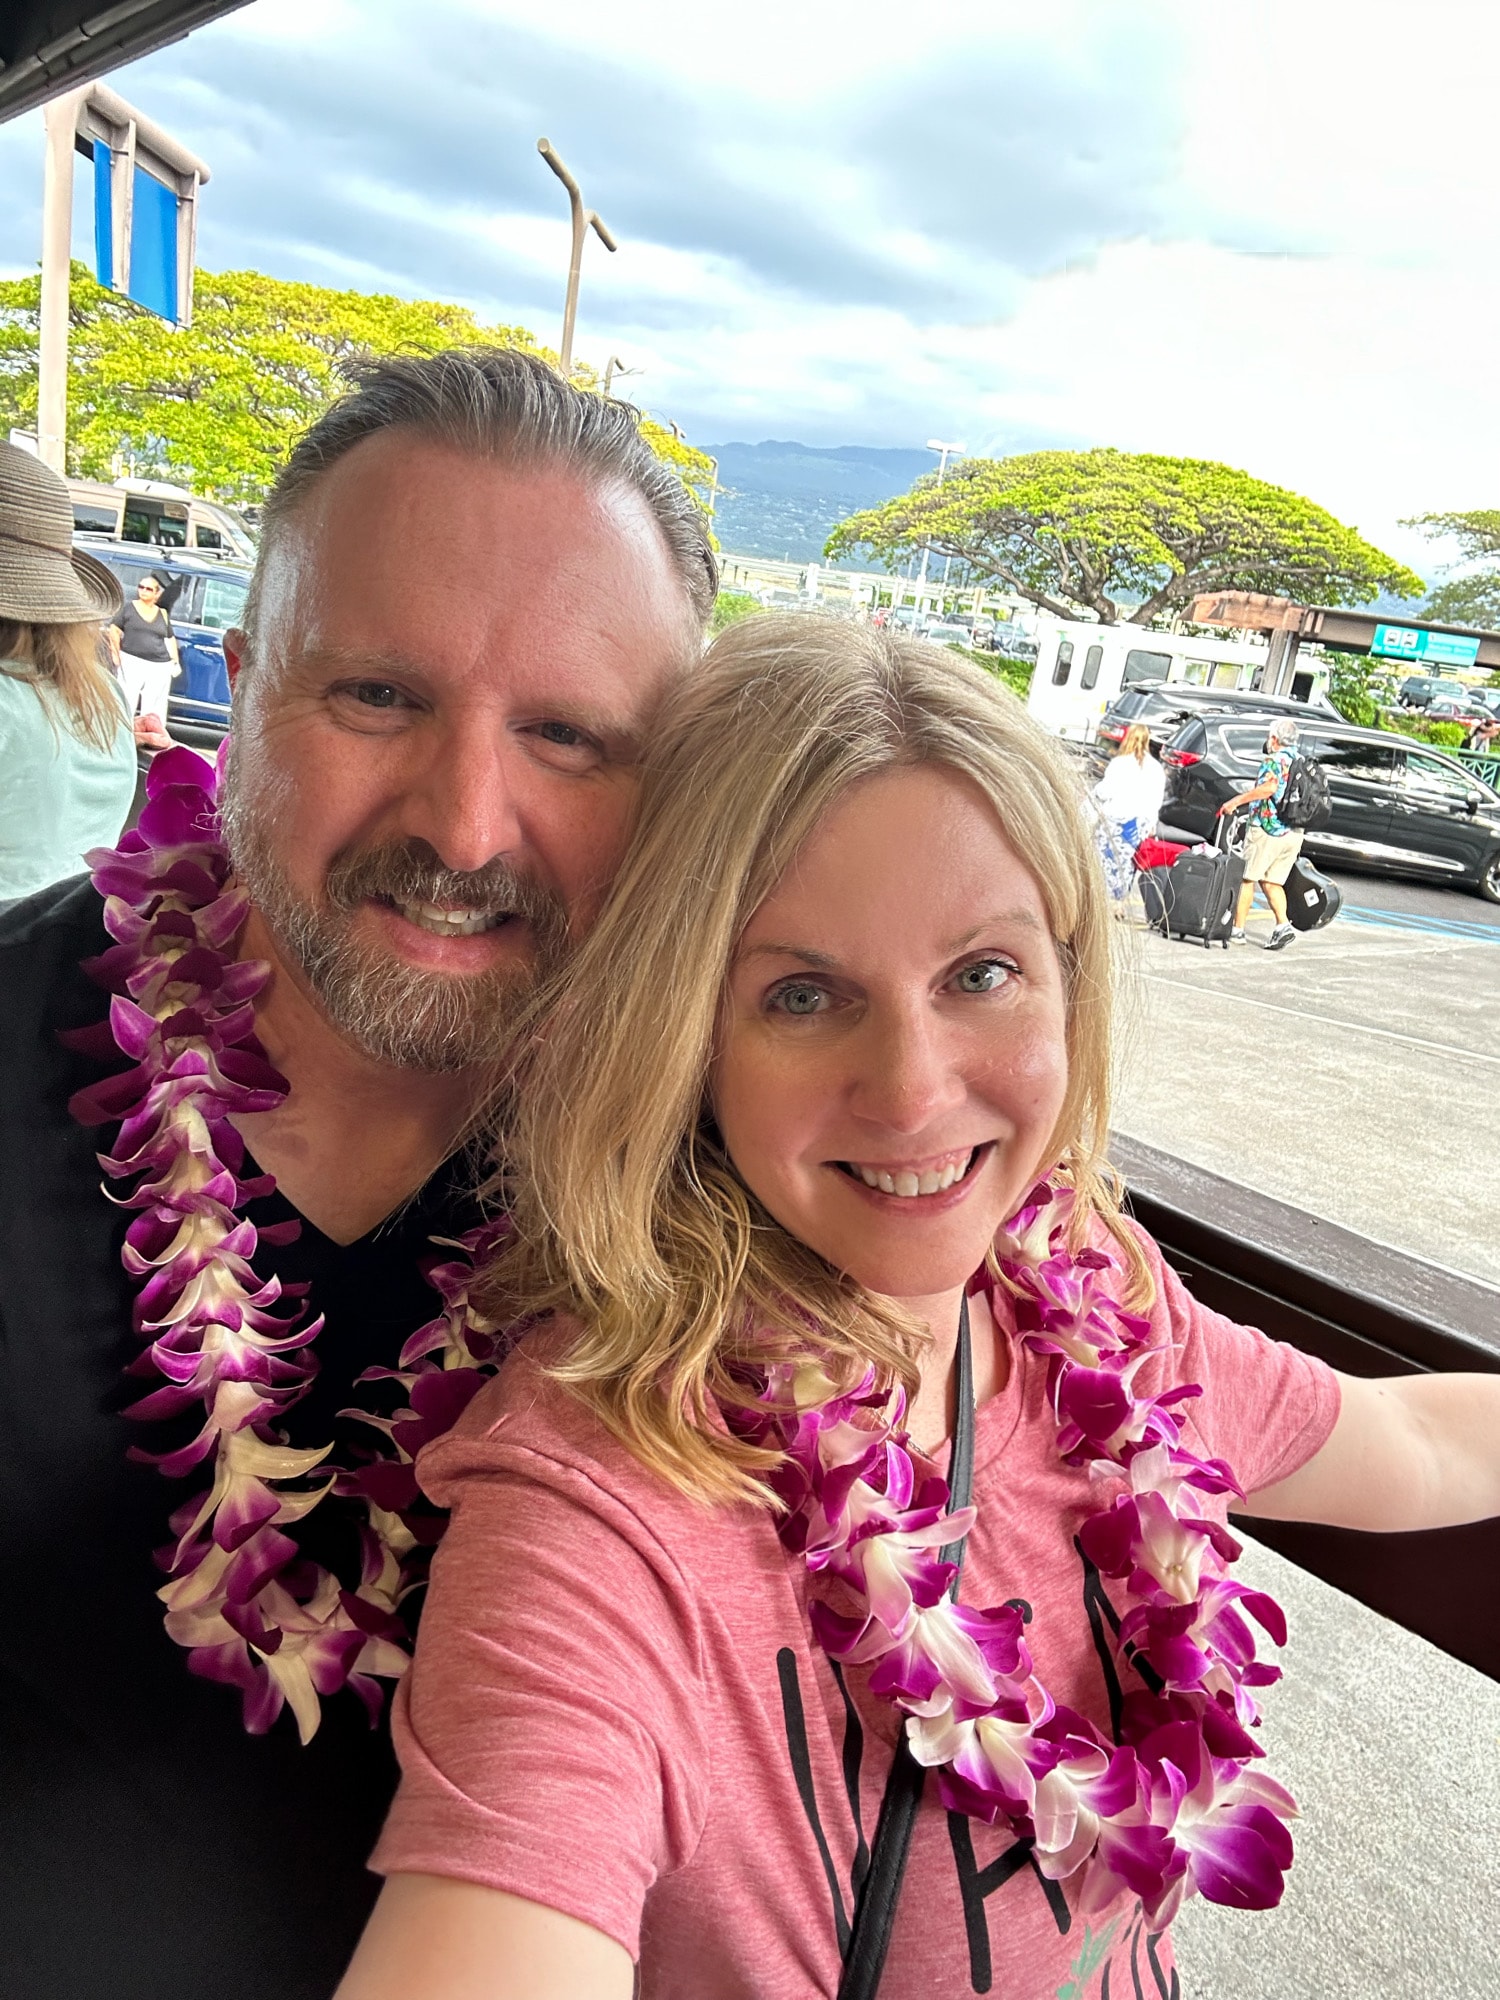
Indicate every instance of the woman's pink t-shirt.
{"type": "Point", "coordinates": [617, 1708]}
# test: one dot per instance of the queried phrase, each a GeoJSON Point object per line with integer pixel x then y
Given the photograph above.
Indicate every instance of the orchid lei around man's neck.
{"type": "Point", "coordinates": [1173, 1805]}
{"type": "Point", "coordinates": [241, 1598]}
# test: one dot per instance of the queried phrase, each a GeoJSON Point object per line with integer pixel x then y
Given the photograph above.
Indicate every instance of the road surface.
{"type": "Point", "coordinates": [1421, 905]}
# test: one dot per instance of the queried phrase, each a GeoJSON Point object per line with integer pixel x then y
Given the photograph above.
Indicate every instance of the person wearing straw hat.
{"type": "Point", "coordinates": [67, 750]}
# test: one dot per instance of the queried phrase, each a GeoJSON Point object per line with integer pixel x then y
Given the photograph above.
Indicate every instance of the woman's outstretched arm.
{"type": "Point", "coordinates": [1407, 1451]}
{"type": "Point", "coordinates": [431, 1938]}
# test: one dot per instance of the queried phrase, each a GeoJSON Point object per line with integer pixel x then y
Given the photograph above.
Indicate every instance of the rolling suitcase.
{"type": "Point", "coordinates": [1195, 897]}
{"type": "Point", "coordinates": [1311, 899]}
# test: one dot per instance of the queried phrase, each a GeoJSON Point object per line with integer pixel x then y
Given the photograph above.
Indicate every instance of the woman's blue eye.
{"type": "Point", "coordinates": [986, 975]}
{"type": "Point", "coordinates": [799, 999]}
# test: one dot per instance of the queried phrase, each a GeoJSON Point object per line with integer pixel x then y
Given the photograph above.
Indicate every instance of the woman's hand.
{"type": "Point", "coordinates": [1408, 1451]}
{"type": "Point", "coordinates": [433, 1938]}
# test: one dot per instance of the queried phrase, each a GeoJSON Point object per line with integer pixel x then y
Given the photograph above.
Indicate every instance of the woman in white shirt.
{"type": "Point", "coordinates": [1129, 798]}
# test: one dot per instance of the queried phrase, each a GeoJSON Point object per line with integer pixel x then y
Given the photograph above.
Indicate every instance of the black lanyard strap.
{"type": "Point", "coordinates": [880, 1892]}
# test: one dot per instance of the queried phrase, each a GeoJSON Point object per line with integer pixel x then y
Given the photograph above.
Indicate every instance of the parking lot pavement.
{"type": "Point", "coordinates": [1355, 1074]}
{"type": "Point", "coordinates": [1393, 1752]}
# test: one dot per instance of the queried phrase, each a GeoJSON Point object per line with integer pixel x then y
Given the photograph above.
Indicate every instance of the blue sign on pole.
{"type": "Point", "coordinates": [104, 214]}
{"type": "Point", "coordinates": [153, 246]}
{"type": "Point", "coordinates": [148, 268]}
{"type": "Point", "coordinates": [1408, 642]}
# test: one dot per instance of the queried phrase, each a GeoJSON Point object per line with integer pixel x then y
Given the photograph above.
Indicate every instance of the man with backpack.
{"type": "Point", "coordinates": [1290, 794]}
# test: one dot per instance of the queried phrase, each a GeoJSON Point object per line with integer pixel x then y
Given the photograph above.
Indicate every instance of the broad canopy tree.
{"type": "Point", "coordinates": [1472, 598]}
{"type": "Point", "coordinates": [1124, 536]}
{"type": "Point", "coordinates": [216, 406]}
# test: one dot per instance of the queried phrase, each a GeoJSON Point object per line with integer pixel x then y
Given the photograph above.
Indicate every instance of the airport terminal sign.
{"type": "Point", "coordinates": [1408, 642]}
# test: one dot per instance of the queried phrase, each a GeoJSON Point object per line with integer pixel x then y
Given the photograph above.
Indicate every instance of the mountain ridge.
{"type": "Point", "coordinates": [783, 499]}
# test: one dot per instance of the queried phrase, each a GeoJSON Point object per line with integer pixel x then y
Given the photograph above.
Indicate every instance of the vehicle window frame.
{"type": "Point", "coordinates": [1062, 666]}
{"type": "Point", "coordinates": [1158, 669]}
{"type": "Point", "coordinates": [1093, 659]}
{"type": "Point", "coordinates": [1371, 755]}
{"type": "Point", "coordinates": [1229, 728]}
{"type": "Point", "coordinates": [202, 601]}
{"type": "Point", "coordinates": [1456, 786]}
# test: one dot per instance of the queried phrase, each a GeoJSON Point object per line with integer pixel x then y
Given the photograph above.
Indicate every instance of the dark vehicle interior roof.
{"type": "Point", "coordinates": [48, 46]}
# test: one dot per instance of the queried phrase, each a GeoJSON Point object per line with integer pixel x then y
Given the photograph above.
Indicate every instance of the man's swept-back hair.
{"type": "Point", "coordinates": [629, 1213]}
{"type": "Point", "coordinates": [502, 403]}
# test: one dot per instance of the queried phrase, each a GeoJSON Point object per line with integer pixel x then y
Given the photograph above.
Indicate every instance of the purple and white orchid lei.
{"type": "Point", "coordinates": [1173, 1805]}
{"type": "Point", "coordinates": [240, 1596]}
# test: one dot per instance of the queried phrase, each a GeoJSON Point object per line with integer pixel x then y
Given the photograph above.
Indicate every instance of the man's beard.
{"type": "Point", "coordinates": [396, 1012]}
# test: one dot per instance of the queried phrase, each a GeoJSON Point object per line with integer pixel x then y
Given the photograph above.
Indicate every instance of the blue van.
{"type": "Point", "coordinates": [207, 594]}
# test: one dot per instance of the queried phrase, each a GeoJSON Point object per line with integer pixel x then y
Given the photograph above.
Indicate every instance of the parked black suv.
{"type": "Point", "coordinates": [1398, 807]}
{"type": "Point", "coordinates": [1419, 690]}
{"type": "Point", "coordinates": [1165, 705]}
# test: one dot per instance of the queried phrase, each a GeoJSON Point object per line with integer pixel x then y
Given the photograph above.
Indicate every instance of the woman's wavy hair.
{"type": "Point", "coordinates": [63, 664]}
{"type": "Point", "coordinates": [628, 1213]}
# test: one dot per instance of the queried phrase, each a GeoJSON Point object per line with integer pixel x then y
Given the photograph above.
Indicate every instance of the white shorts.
{"type": "Point", "coordinates": [147, 684]}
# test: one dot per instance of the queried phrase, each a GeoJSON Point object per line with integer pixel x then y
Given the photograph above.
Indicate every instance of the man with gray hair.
{"type": "Point", "coordinates": [1272, 846]}
{"type": "Point", "coordinates": [474, 583]}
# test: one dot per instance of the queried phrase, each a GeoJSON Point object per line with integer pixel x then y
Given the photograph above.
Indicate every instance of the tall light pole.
{"type": "Point", "coordinates": [945, 452]}
{"type": "Point", "coordinates": [615, 366]}
{"type": "Point", "coordinates": [584, 219]}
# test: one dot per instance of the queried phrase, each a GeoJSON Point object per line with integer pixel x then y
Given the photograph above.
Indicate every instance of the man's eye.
{"type": "Point", "coordinates": [376, 694]}
{"type": "Point", "coordinates": [561, 732]}
{"type": "Point", "coordinates": [798, 999]}
{"type": "Point", "coordinates": [985, 975]}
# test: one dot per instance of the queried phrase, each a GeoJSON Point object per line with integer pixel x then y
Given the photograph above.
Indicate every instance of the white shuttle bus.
{"type": "Point", "coordinates": [1081, 667]}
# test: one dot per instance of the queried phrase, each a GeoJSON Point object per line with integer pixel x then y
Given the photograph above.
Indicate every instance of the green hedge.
{"type": "Point", "coordinates": [1441, 735]}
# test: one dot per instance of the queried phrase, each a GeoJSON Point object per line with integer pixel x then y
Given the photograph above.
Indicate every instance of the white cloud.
{"type": "Point", "coordinates": [1261, 230]}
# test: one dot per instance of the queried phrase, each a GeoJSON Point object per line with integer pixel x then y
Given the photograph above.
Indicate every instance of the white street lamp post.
{"type": "Point", "coordinates": [945, 452]}
{"type": "Point", "coordinates": [584, 219]}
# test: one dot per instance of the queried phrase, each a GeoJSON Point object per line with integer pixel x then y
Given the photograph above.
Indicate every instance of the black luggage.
{"type": "Point", "coordinates": [1311, 899]}
{"type": "Point", "coordinates": [1195, 897]}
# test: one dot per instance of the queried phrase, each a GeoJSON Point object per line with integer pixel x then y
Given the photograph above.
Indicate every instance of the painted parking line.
{"type": "Point", "coordinates": [1449, 1049]}
{"type": "Point", "coordinates": [1407, 920]}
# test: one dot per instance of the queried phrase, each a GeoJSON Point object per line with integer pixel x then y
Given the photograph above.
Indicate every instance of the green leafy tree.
{"type": "Point", "coordinates": [1473, 599]}
{"type": "Point", "coordinates": [732, 605]}
{"type": "Point", "coordinates": [1093, 531]}
{"type": "Point", "coordinates": [217, 406]}
{"type": "Point", "coordinates": [1349, 687]}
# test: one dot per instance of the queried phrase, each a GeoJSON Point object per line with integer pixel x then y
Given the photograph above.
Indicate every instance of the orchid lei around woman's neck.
{"type": "Point", "coordinates": [240, 1597]}
{"type": "Point", "coordinates": [1174, 1804]}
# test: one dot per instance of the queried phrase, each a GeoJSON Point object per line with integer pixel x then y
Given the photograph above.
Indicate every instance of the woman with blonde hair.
{"type": "Point", "coordinates": [837, 1595]}
{"type": "Point", "coordinates": [1129, 798]}
{"type": "Point", "coordinates": [67, 750]}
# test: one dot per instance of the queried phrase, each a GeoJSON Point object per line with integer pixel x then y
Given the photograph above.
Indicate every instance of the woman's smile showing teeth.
{"type": "Point", "coordinates": [920, 1177]}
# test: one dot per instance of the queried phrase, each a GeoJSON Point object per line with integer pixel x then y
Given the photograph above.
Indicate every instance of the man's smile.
{"type": "Point", "coordinates": [447, 922]}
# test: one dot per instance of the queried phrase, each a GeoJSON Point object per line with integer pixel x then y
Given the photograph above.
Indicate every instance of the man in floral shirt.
{"type": "Point", "coordinates": [1272, 846]}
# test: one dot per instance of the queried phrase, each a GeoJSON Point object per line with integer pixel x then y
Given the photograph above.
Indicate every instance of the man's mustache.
{"type": "Point", "coordinates": [410, 871]}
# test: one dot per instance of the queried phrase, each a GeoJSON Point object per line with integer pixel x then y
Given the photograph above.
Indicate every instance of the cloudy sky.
{"type": "Point", "coordinates": [1263, 231]}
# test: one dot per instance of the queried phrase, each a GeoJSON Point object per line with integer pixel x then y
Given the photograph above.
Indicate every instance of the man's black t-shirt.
{"type": "Point", "coordinates": [149, 1848]}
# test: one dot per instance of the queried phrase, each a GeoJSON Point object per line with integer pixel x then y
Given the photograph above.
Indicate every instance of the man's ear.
{"type": "Point", "coordinates": [235, 643]}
